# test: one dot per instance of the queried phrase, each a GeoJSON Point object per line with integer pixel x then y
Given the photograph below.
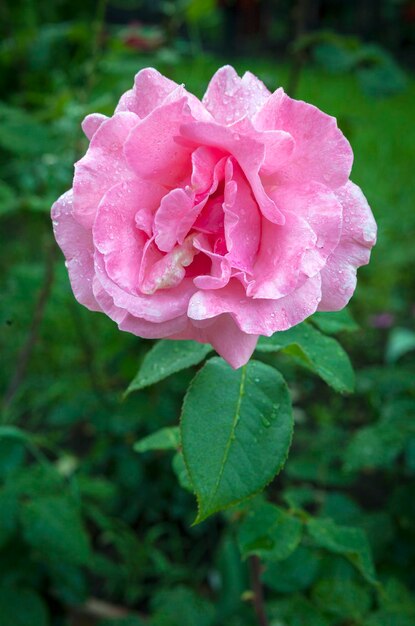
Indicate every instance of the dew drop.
{"type": "Point", "coordinates": [265, 421]}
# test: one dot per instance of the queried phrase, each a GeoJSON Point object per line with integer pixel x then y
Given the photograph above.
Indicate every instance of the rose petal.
{"type": "Point", "coordinates": [149, 91]}
{"type": "Point", "coordinates": [91, 123]}
{"type": "Point", "coordinates": [174, 218]}
{"type": "Point", "coordinates": [230, 343]}
{"type": "Point", "coordinates": [229, 98]}
{"type": "Point", "coordinates": [242, 219]}
{"type": "Point", "coordinates": [320, 208]}
{"type": "Point", "coordinates": [204, 161]}
{"type": "Point", "coordinates": [279, 266]}
{"type": "Point", "coordinates": [165, 304]}
{"type": "Point", "coordinates": [357, 238]}
{"type": "Point", "coordinates": [169, 270]}
{"type": "Point", "coordinates": [279, 147]}
{"type": "Point", "coordinates": [322, 153]}
{"type": "Point", "coordinates": [261, 317]}
{"type": "Point", "coordinates": [181, 209]}
{"type": "Point", "coordinates": [249, 153]}
{"type": "Point", "coordinates": [220, 271]}
{"type": "Point", "coordinates": [76, 244]}
{"type": "Point", "coordinates": [103, 166]}
{"type": "Point", "coordinates": [135, 325]}
{"type": "Point", "coordinates": [227, 339]}
{"type": "Point", "coordinates": [152, 149]}
{"type": "Point", "coordinates": [115, 233]}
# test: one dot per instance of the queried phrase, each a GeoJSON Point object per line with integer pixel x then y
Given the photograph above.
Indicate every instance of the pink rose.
{"type": "Point", "coordinates": [219, 220]}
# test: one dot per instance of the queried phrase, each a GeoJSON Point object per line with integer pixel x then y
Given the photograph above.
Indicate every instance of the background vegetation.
{"type": "Point", "coordinates": [95, 531]}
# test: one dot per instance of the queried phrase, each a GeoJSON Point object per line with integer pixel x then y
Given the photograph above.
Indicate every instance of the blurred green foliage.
{"type": "Point", "coordinates": [83, 513]}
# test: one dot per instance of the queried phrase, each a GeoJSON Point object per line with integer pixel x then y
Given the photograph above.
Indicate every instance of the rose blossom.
{"type": "Point", "coordinates": [218, 220]}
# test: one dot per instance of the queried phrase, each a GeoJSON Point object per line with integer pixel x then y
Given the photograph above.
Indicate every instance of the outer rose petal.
{"type": "Point", "coordinates": [260, 317]}
{"type": "Point", "coordinates": [322, 152]}
{"type": "Point", "coordinates": [91, 124]}
{"type": "Point", "coordinates": [150, 90]}
{"type": "Point", "coordinates": [279, 266]}
{"type": "Point", "coordinates": [229, 98]}
{"type": "Point", "coordinates": [235, 346]}
{"type": "Point", "coordinates": [320, 208]}
{"type": "Point", "coordinates": [135, 325]}
{"type": "Point", "coordinates": [161, 306]}
{"type": "Point", "coordinates": [357, 238]}
{"type": "Point", "coordinates": [76, 244]}
{"type": "Point", "coordinates": [103, 166]}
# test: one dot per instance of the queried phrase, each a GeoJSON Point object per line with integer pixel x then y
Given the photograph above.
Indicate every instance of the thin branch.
{"type": "Point", "coordinates": [258, 593]}
{"type": "Point", "coordinates": [88, 351]}
{"type": "Point", "coordinates": [26, 350]}
{"type": "Point", "coordinates": [98, 27]}
{"type": "Point", "coordinates": [299, 57]}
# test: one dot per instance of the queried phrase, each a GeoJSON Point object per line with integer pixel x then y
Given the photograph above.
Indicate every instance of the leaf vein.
{"type": "Point", "coordinates": [232, 433]}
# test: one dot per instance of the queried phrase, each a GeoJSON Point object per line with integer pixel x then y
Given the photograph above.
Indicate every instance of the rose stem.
{"type": "Point", "coordinates": [258, 598]}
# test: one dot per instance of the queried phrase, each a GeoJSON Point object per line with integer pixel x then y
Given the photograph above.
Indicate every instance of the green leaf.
{"type": "Point", "coordinates": [334, 322]}
{"type": "Point", "coordinates": [13, 432]}
{"type": "Point", "coordinates": [296, 573]}
{"type": "Point", "coordinates": [295, 610]}
{"type": "Point", "coordinates": [373, 446]}
{"type": "Point", "coordinates": [167, 357]}
{"type": "Point", "coordinates": [342, 598]}
{"type": "Point", "coordinates": [12, 455]}
{"type": "Point", "coordinates": [397, 598]}
{"type": "Point", "coordinates": [379, 444]}
{"type": "Point", "coordinates": [379, 75]}
{"type": "Point", "coordinates": [320, 354]}
{"type": "Point", "coordinates": [236, 429]}
{"type": "Point", "coordinates": [96, 489]}
{"type": "Point", "coordinates": [8, 199]}
{"type": "Point", "coordinates": [401, 341]}
{"type": "Point", "coordinates": [181, 472]}
{"type": "Point", "coordinates": [381, 618]}
{"type": "Point", "coordinates": [181, 607]}
{"type": "Point", "coordinates": [340, 508]}
{"type": "Point", "coordinates": [68, 582]}
{"type": "Point", "coordinates": [299, 497]}
{"type": "Point", "coordinates": [349, 542]}
{"type": "Point", "coordinates": [164, 439]}
{"type": "Point", "coordinates": [21, 607]}
{"type": "Point", "coordinates": [410, 455]}
{"type": "Point", "coordinates": [233, 577]}
{"type": "Point", "coordinates": [269, 532]}
{"type": "Point", "coordinates": [53, 525]}
{"type": "Point", "coordinates": [22, 134]}
{"type": "Point", "coordinates": [8, 514]}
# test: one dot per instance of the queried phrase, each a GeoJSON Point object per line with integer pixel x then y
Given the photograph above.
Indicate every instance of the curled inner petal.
{"type": "Point", "coordinates": [169, 271]}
